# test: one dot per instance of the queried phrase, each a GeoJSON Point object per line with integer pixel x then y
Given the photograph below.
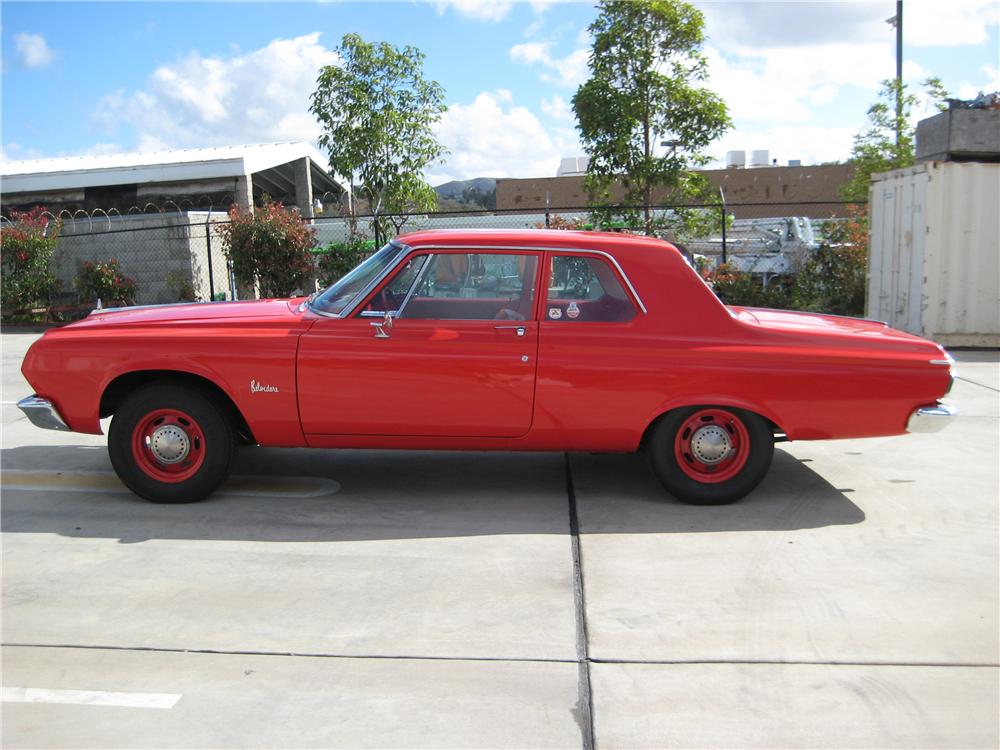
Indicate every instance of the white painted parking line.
{"type": "Point", "coordinates": [88, 697]}
{"type": "Point", "coordinates": [42, 480]}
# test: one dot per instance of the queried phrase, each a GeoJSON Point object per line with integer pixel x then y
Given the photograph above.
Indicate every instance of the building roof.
{"type": "Point", "coordinates": [182, 165]}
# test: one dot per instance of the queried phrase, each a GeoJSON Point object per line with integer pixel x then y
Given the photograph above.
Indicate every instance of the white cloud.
{"type": "Point", "coordinates": [928, 23]}
{"type": "Point", "coordinates": [259, 96]}
{"type": "Point", "coordinates": [493, 137]}
{"type": "Point", "coordinates": [99, 149]}
{"type": "Point", "coordinates": [989, 83]}
{"type": "Point", "coordinates": [557, 108]}
{"type": "Point", "coordinates": [541, 6]}
{"type": "Point", "coordinates": [530, 52]}
{"type": "Point", "coordinates": [34, 50]}
{"type": "Point", "coordinates": [477, 10]}
{"type": "Point", "coordinates": [744, 26]}
{"type": "Point", "coordinates": [768, 83]}
{"type": "Point", "coordinates": [569, 71]}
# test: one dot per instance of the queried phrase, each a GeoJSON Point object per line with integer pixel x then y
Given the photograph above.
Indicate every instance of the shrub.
{"type": "Point", "coordinates": [338, 258]}
{"type": "Point", "coordinates": [557, 221]}
{"type": "Point", "coordinates": [269, 248]}
{"type": "Point", "coordinates": [833, 279]}
{"type": "Point", "coordinates": [104, 281]}
{"type": "Point", "coordinates": [735, 287]}
{"type": "Point", "coordinates": [26, 250]}
{"type": "Point", "coordinates": [180, 287]}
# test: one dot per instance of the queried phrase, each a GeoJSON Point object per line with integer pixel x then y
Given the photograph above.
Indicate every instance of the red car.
{"type": "Point", "coordinates": [492, 340]}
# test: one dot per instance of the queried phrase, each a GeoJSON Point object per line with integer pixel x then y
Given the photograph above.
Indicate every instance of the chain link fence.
{"type": "Point", "coordinates": [179, 256]}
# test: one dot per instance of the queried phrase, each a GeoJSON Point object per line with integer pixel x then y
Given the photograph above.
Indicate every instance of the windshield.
{"type": "Point", "coordinates": [344, 291]}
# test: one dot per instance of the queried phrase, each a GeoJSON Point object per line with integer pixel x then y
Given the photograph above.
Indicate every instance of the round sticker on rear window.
{"type": "Point", "coordinates": [573, 311]}
{"type": "Point", "coordinates": [555, 313]}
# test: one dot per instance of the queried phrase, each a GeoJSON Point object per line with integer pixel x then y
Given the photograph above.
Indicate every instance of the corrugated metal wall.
{"type": "Point", "coordinates": [896, 259]}
{"type": "Point", "coordinates": [962, 264]}
{"type": "Point", "coordinates": [934, 252]}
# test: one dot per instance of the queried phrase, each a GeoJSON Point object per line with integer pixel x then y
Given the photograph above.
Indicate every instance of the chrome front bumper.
{"type": "Point", "coordinates": [931, 418]}
{"type": "Point", "coordinates": [42, 413]}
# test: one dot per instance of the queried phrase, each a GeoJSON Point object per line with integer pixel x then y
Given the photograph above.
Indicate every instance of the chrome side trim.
{"type": "Point", "coordinates": [531, 248]}
{"type": "Point", "coordinates": [931, 418]}
{"type": "Point", "coordinates": [41, 413]}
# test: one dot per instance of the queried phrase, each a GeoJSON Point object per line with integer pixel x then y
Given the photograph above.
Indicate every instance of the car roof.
{"type": "Point", "coordinates": [534, 238]}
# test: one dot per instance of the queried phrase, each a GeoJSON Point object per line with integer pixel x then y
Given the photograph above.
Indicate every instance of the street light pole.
{"type": "Point", "coordinates": [899, 70]}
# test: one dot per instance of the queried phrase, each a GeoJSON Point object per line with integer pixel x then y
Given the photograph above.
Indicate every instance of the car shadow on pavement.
{"type": "Point", "coordinates": [408, 495]}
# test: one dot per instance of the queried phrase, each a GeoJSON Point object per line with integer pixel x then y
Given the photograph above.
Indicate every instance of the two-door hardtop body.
{"type": "Point", "coordinates": [485, 340]}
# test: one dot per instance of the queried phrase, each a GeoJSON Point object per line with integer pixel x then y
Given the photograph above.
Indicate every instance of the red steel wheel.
{"type": "Point", "coordinates": [168, 445]}
{"type": "Point", "coordinates": [712, 446]}
{"type": "Point", "coordinates": [171, 442]}
{"type": "Point", "coordinates": [710, 455]}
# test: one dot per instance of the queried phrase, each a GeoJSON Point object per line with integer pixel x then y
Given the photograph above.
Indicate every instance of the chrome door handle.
{"type": "Point", "coordinates": [382, 327]}
{"type": "Point", "coordinates": [521, 330]}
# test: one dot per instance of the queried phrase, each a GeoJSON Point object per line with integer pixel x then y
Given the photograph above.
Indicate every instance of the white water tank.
{"type": "Point", "coordinates": [760, 158]}
{"type": "Point", "coordinates": [736, 159]}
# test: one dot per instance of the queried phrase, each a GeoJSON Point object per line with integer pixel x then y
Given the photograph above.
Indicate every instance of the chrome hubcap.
{"type": "Point", "coordinates": [170, 444]}
{"type": "Point", "coordinates": [711, 444]}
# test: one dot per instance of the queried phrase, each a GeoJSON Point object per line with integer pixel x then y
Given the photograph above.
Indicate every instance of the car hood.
{"type": "Point", "coordinates": [252, 312]}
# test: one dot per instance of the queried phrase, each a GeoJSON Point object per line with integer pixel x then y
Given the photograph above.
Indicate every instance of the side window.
{"type": "Point", "coordinates": [586, 289]}
{"type": "Point", "coordinates": [393, 294]}
{"type": "Point", "coordinates": [474, 286]}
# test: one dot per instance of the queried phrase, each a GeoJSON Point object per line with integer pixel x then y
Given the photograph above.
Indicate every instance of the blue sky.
{"type": "Point", "coordinates": [84, 77]}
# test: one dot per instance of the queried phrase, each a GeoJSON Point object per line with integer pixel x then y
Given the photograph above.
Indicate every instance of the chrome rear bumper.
{"type": "Point", "coordinates": [42, 413]}
{"type": "Point", "coordinates": [931, 418]}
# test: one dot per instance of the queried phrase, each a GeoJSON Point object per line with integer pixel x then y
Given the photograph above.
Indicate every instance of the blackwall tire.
{"type": "Point", "coordinates": [170, 443]}
{"type": "Point", "coordinates": [710, 455]}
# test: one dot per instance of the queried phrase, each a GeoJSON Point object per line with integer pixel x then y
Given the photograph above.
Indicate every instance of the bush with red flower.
{"type": "Point", "coordinates": [27, 245]}
{"type": "Point", "coordinates": [104, 281]}
{"type": "Point", "coordinates": [270, 249]}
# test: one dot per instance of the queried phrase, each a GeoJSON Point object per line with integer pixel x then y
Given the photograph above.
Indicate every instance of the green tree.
{"type": "Point", "coordinates": [876, 149]}
{"type": "Point", "coordinates": [377, 111]}
{"type": "Point", "coordinates": [646, 65]}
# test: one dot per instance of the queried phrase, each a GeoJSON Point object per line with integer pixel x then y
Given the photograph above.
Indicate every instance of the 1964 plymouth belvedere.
{"type": "Point", "coordinates": [525, 340]}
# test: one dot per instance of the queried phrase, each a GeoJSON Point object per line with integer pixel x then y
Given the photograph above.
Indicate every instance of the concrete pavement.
{"type": "Point", "coordinates": [376, 599]}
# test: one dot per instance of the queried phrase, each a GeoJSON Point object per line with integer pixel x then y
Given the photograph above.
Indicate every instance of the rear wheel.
{"type": "Point", "coordinates": [171, 443]}
{"type": "Point", "coordinates": [710, 455]}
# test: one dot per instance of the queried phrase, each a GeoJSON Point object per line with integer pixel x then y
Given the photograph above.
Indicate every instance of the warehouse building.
{"type": "Point", "coordinates": [180, 180]}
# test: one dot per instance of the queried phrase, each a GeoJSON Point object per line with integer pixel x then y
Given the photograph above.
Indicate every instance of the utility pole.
{"type": "Point", "coordinates": [897, 22]}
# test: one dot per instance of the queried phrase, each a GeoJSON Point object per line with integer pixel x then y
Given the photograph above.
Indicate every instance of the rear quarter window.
{"type": "Point", "coordinates": [585, 289]}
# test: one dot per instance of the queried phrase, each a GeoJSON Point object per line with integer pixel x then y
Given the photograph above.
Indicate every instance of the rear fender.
{"type": "Point", "coordinates": [714, 400]}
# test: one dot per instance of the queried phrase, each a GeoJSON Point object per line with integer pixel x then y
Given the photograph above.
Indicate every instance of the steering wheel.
{"type": "Point", "coordinates": [387, 301]}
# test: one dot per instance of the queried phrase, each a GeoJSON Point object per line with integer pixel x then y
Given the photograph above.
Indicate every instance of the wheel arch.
{"type": "Point", "coordinates": [710, 401]}
{"type": "Point", "coordinates": [124, 384]}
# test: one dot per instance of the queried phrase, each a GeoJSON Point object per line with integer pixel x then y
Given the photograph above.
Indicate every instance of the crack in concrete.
{"type": "Point", "coordinates": [973, 382]}
{"type": "Point", "coordinates": [584, 712]}
{"type": "Point", "coordinates": [508, 659]}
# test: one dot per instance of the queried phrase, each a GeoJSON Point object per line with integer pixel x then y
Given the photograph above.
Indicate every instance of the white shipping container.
{"type": "Point", "coordinates": [934, 252]}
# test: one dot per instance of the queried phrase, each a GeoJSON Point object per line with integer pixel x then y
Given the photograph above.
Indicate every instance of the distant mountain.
{"type": "Point", "coordinates": [455, 189]}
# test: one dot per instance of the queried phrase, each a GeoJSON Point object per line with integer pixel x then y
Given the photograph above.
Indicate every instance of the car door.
{"type": "Point", "coordinates": [456, 357]}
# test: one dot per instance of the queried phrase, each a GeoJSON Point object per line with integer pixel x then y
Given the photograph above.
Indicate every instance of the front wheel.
{"type": "Point", "coordinates": [171, 444]}
{"type": "Point", "coordinates": [710, 455]}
